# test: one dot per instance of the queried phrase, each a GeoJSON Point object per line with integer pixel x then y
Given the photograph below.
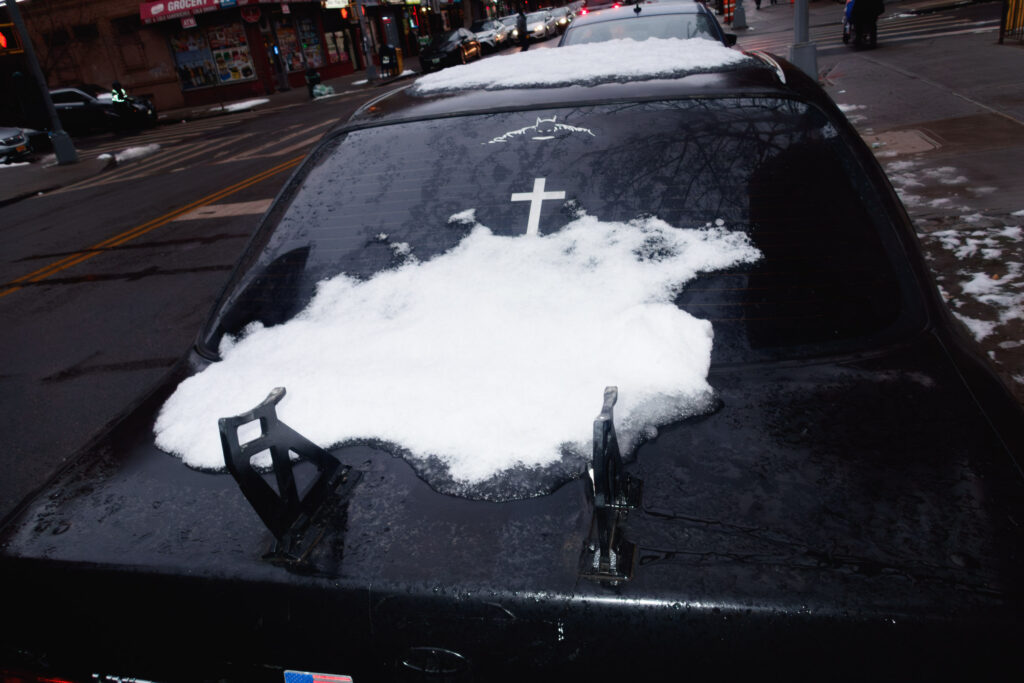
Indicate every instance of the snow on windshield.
{"type": "Point", "coordinates": [588, 63]}
{"type": "Point", "coordinates": [491, 356]}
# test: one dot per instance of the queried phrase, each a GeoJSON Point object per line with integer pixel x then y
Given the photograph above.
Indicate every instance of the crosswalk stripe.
{"type": "Point", "coordinates": [159, 161]}
{"type": "Point", "coordinates": [894, 30]}
{"type": "Point", "coordinates": [227, 210]}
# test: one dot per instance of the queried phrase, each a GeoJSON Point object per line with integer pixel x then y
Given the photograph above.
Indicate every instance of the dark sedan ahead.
{"type": "Point", "coordinates": [532, 373]}
{"type": "Point", "coordinates": [668, 20]}
{"type": "Point", "coordinates": [86, 108]}
{"type": "Point", "coordinates": [448, 49]}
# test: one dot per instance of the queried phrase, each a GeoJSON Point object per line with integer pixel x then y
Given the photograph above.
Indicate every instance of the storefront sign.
{"type": "Point", "coordinates": [188, 22]}
{"type": "Point", "coordinates": [174, 9]}
{"type": "Point", "coordinates": [336, 4]}
{"type": "Point", "coordinates": [228, 3]}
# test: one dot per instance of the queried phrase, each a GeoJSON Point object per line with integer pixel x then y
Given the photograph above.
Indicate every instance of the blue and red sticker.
{"type": "Point", "coordinates": [309, 677]}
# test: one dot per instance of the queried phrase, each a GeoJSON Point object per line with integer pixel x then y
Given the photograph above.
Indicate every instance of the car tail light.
{"type": "Point", "coordinates": [25, 677]}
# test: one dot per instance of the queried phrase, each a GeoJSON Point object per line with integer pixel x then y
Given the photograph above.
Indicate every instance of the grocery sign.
{"type": "Point", "coordinates": [175, 9]}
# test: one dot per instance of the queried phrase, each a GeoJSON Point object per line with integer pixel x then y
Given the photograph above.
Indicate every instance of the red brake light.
{"type": "Point", "coordinates": [24, 677]}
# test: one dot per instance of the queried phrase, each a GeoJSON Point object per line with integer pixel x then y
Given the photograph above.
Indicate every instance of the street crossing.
{"type": "Point", "coordinates": [897, 28]}
{"type": "Point", "coordinates": [182, 148]}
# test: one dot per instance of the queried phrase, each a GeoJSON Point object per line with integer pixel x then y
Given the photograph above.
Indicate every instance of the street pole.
{"type": "Point", "coordinates": [364, 28]}
{"type": "Point", "coordinates": [802, 52]}
{"type": "Point", "coordinates": [739, 17]}
{"type": "Point", "coordinates": [63, 148]}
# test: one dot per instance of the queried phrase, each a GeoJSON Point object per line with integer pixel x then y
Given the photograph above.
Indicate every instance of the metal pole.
{"type": "Point", "coordinates": [63, 148]}
{"type": "Point", "coordinates": [739, 17]}
{"type": "Point", "coordinates": [364, 28]}
{"type": "Point", "coordinates": [802, 52]}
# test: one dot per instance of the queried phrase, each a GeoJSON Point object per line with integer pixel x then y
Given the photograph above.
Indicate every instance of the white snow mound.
{"type": "Point", "coordinates": [587, 63]}
{"type": "Point", "coordinates": [492, 355]}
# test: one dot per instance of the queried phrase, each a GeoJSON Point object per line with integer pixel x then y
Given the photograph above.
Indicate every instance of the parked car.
{"type": "Point", "coordinates": [811, 470]}
{"type": "Point", "coordinates": [541, 25]}
{"type": "Point", "coordinates": [491, 33]}
{"type": "Point", "coordinates": [642, 21]}
{"type": "Point", "coordinates": [447, 49]}
{"type": "Point", "coordinates": [14, 145]}
{"type": "Point", "coordinates": [563, 16]}
{"type": "Point", "coordinates": [87, 108]}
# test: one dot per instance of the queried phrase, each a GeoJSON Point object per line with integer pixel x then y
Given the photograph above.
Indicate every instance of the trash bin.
{"type": "Point", "coordinates": [312, 80]}
{"type": "Point", "coordinates": [385, 61]}
{"type": "Point", "coordinates": [390, 60]}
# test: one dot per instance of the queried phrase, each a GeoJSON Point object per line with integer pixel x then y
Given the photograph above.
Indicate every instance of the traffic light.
{"type": "Point", "coordinates": [10, 42]}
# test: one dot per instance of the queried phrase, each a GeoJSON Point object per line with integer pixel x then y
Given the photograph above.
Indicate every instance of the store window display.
{"type": "Point", "coordinates": [212, 55]}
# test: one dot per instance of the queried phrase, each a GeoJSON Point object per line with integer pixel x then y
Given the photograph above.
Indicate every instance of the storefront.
{"type": "Point", "coordinates": [231, 49]}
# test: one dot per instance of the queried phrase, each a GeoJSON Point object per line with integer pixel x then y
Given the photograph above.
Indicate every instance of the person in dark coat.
{"type": "Point", "coordinates": [524, 37]}
{"type": "Point", "coordinates": [864, 17]}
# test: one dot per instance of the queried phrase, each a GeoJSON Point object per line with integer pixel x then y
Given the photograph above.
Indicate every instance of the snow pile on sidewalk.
{"type": "Point", "coordinates": [494, 355]}
{"type": "Point", "coordinates": [979, 266]}
{"type": "Point", "coordinates": [243, 105]}
{"type": "Point", "coordinates": [132, 153]}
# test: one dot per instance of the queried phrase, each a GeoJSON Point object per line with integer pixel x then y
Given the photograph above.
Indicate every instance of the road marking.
{"type": "Point", "coordinates": [258, 152]}
{"type": "Point", "coordinates": [154, 164]}
{"type": "Point", "coordinates": [140, 230]}
{"type": "Point", "coordinates": [896, 29]}
{"type": "Point", "coordinates": [227, 210]}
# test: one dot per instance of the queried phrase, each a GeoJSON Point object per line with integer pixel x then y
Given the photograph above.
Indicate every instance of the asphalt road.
{"type": "Point", "coordinates": [133, 260]}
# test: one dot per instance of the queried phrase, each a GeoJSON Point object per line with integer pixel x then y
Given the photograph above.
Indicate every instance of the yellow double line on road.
{"type": "Point", "coordinates": [140, 230]}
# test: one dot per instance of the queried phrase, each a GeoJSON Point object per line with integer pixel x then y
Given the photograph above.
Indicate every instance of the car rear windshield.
{"type": "Point", "coordinates": [642, 28]}
{"type": "Point", "coordinates": [445, 39]}
{"type": "Point", "coordinates": [833, 276]}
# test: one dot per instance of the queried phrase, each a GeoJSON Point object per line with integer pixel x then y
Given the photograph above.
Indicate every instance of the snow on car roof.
{"type": "Point", "coordinates": [591, 63]}
{"type": "Point", "coordinates": [491, 356]}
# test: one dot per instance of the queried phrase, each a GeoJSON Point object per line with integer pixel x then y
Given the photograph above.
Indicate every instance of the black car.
{"type": "Point", "coordinates": [448, 49]}
{"type": "Point", "coordinates": [643, 21]}
{"type": "Point", "coordinates": [636, 377]}
{"type": "Point", "coordinates": [87, 108]}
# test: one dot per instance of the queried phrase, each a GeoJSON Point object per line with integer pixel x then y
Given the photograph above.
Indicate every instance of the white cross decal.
{"type": "Point", "coordinates": [535, 198]}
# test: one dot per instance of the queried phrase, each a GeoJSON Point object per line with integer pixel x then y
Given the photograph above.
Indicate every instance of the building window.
{"type": "Point", "coordinates": [58, 38]}
{"type": "Point", "coordinates": [85, 32]}
{"type": "Point", "coordinates": [212, 55]}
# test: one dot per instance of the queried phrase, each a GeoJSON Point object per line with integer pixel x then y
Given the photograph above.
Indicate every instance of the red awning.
{"type": "Point", "coordinates": [175, 9]}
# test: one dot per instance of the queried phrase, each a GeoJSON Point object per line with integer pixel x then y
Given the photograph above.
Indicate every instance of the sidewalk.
{"type": "Point", "coordinates": [20, 181]}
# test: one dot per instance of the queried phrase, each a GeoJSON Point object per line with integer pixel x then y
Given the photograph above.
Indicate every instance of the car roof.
{"type": "Point", "coordinates": [761, 75]}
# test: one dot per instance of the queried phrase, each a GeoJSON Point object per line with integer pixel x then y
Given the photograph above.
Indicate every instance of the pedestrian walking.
{"type": "Point", "coordinates": [524, 37]}
{"type": "Point", "coordinates": [118, 95]}
{"type": "Point", "coordinates": [864, 17]}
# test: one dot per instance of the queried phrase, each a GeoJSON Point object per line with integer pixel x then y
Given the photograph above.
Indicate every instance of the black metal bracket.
{"type": "Point", "coordinates": [608, 556]}
{"type": "Point", "coordinates": [285, 512]}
